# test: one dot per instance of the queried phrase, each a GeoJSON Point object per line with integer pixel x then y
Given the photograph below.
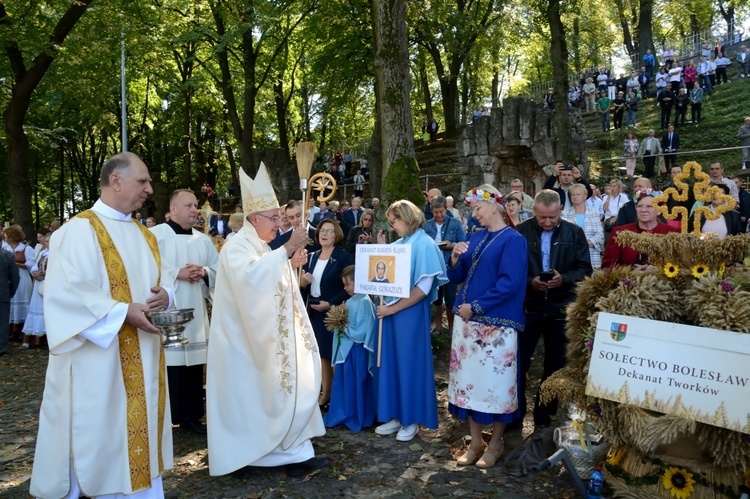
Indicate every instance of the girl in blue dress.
{"type": "Point", "coordinates": [405, 380]}
{"type": "Point", "coordinates": [353, 395]}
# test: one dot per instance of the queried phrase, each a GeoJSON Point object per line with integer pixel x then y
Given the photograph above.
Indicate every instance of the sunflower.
{"type": "Point", "coordinates": [700, 270]}
{"type": "Point", "coordinates": [678, 482]}
{"type": "Point", "coordinates": [671, 269]}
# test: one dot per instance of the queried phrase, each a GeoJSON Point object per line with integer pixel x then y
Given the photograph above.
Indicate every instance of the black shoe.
{"type": "Point", "coordinates": [297, 470]}
{"type": "Point", "coordinates": [195, 426]}
{"type": "Point", "coordinates": [245, 472]}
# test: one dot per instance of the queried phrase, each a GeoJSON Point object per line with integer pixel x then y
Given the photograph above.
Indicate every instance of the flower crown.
{"type": "Point", "coordinates": [645, 192]}
{"type": "Point", "coordinates": [482, 195]}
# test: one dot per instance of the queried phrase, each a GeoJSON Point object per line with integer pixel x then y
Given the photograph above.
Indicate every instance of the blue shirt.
{"type": "Point", "coordinates": [546, 248]}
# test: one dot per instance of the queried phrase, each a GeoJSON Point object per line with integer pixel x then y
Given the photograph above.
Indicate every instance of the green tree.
{"type": "Point", "coordinates": [30, 58]}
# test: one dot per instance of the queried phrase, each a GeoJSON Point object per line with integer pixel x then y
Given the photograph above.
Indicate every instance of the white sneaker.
{"type": "Point", "coordinates": [389, 428]}
{"type": "Point", "coordinates": [406, 433]}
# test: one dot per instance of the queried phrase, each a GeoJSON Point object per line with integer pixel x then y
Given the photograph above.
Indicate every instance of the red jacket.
{"type": "Point", "coordinates": [616, 255]}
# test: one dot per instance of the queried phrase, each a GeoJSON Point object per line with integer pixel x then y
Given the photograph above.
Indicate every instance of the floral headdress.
{"type": "Point", "coordinates": [645, 192]}
{"type": "Point", "coordinates": [482, 195]}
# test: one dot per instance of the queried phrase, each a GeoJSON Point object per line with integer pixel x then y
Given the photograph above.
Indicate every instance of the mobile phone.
{"type": "Point", "coordinates": [313, 301]}
{"type": "Point", "coordinates": [546, 276]}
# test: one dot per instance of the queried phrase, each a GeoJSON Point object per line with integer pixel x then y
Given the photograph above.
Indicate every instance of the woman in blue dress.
{"type": "Point", "coordinates": [483, 372]}
{"type": "Point", "coordinates": [405, 380]}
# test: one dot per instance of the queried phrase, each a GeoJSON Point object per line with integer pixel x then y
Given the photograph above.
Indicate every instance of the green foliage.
{"type": "Point", "coordinates": [402, 182]}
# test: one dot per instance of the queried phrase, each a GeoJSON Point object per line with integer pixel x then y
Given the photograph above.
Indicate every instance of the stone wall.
{"type": "Point", "coordinates": [518, 140]}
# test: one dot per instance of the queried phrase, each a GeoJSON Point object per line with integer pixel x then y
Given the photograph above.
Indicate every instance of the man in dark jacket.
{"type": "Point", "coordinates": [558, 259]}
{"type": "Point", "coordinates": [744, 205]}
{"type": "Point", "coordinates": [9, 278]}
{"type": "Point", "coordinates": [562, 178]}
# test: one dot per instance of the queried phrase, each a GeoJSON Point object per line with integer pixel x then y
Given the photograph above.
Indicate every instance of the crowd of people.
{"type": "Point", "coordinates": [501, 267]}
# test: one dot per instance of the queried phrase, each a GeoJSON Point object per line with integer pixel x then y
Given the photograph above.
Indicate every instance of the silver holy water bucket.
{"type": "Point", "coordinates": [172, 324]}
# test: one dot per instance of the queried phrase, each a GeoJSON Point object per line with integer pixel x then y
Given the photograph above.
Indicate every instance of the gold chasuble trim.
{"type": "Point", "coordinates": [130, 359]}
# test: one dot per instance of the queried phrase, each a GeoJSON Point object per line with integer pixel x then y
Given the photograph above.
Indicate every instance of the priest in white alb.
{"type": "Point", "coordinates": [104, 426]}
{"type": "Point", "coordinates": [194, 258]}
{"type": "Point", "coordinates": [263, 372]}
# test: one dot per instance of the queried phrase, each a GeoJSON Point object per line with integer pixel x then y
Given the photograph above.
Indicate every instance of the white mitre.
{"type": "Point", "coordinates": [257, 195]}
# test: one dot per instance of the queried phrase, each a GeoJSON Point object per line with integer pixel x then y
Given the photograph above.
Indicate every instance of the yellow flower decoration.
{"type": "Point", "coordinates": [678, 482]}
{"type": "Point", "coordinates": [615, 456]}
{"type": "Point", "coordinates": [671, 269]}
{"type": "Point", "coordinates": [702, 191]}
{"type": "Point", "coordinates": [486, 196]}
{"type": "Point", "coordinates": [700, 270]}
{"type": "Point", "coordinates": [722, 269]}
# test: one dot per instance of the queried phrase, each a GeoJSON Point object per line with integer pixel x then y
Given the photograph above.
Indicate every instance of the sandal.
{"type": "Point", "coordinates": [490, 457]}
{"type": "Point", "coordinates": [470, 456]}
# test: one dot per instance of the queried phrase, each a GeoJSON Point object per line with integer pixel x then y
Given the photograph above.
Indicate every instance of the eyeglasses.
{"type": "Point", "coordinates": [275, 219]}
{"type": "Point", "coordinates": [391, 222]}
{"type": "Point", "coordinates": [327, 232]}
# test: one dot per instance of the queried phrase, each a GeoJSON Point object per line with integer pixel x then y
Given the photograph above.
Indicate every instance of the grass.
{"type": "Point", "coordinates": [723, 114]}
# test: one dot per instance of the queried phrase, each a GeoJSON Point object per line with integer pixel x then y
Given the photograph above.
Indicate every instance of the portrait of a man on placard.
{"type": "Point", "coordinates": [382, 269]}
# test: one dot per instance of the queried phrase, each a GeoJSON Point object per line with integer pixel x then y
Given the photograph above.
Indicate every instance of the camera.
{"type": "Point", "coordinates": [547, 276]}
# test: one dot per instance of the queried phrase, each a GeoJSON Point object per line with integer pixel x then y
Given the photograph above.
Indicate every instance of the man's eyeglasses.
{"type": "Point", "coordinates": [275, 219]}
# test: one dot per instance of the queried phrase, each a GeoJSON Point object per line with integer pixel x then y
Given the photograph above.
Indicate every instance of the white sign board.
{"type": "Point", "coordinates": [383, 269]}
{"type": "Point", "coordinates": [694, 372]}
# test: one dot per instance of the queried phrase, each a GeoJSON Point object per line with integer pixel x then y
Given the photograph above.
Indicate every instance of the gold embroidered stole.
{"type": "Point", "coordinates": [139, 458]}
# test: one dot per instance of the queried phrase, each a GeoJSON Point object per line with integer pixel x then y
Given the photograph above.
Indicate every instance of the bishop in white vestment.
{"type": "Point", "coordinates": [263, 373]}
{"type": "Point", "coordinates": [104, 426]}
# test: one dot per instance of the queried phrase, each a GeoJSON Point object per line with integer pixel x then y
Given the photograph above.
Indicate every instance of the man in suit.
{"type": "Point", "coordinates": [649, 149]}
{"type": "Point", "coordinates": [218, 226]}
{"type": "Point", "coordinates": [352, 216]}
{"type": "Point", "coordinates": [293, 216]}
{"type": "Point", "coordinates": [669, 144]}
{"type": "Point", "coordinates": [322, 214]}
{"type": "Point", "coordinates": [9, 279]}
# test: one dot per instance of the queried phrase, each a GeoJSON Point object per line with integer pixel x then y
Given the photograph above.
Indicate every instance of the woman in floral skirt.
{"type": "Point", "coordinates": [484, 374]}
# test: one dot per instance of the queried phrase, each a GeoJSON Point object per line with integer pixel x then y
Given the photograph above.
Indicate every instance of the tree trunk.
{"type": "Point", "coordinates": [281, 105]}
{"type": "Point", "coordinates": [449, 89]}
{"type": "Point", "coordinates": [645, 30]}
{"type": "Point", "coordinates": [559, 55]}
{"type": "Point", "coordinates": [392, 74]}
{"type": "Point", "coordinates": [622, 16]}
{"type": "Point", "coordinates": [577, 47]}
{"type": "Point", "coordinates": [25, 81]}
{"type": "Point", "coordinates": [187, 153]}
{"type": "Point", "coordinates": [425, 84]}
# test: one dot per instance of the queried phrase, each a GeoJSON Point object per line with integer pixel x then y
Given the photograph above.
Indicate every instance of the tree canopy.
{"type": "Point", "coordinates": [209, 81]}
